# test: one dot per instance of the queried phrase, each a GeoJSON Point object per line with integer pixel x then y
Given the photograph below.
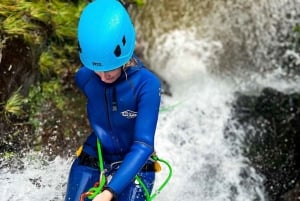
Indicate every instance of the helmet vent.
{"type": "Point", "coordinates": [124, 40]}
{"type": "Point", "coordinates": [117, 51]}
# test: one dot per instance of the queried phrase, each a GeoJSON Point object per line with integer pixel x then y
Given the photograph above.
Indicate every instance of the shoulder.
{"type": "Point", "coordinates": [144, 73]}
{"type": "Point", "coordinates": [82, 76]}
{"type": "Point", "coordinates": [149, 76]}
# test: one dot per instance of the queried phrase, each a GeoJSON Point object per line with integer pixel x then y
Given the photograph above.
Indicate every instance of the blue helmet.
{"type": "Point", "coordinates": [106, 35]}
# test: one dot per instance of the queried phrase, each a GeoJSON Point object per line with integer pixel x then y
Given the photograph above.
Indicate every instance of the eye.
{"type": "Point", "coordinates": [117, 51]}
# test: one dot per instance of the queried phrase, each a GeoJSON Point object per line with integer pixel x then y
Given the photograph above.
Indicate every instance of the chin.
{"type": "Point", "coordinates": [108, 81]}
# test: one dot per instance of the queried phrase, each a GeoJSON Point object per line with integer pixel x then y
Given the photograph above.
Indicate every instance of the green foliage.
{"type": "Point", "coordinates": [46, 62]}
{"type": "Point", "coordinates": [14, 105]}
{"type": "Point", "coordinates": [44, 93]}
{"type": "Point", "coordinates": [7, 155]}
{"type": "Point", "coordinates": [43, 96]}
{"type": "Point", "coordinates": [49, 28]}
{"type": "Point", "coordinates": [139, 2]}
{"type": "Point", "coordinates": [58, 59]}
{"type": "Point", "coordinates": [52, 91]}
{"type": "Point", "coordinates": [65, 18]}
{"type": "Point", "coordinates": [17, 20]}
{"type": "Point", "coordinates": [38, 19]}
{"type": "Point", "coordinates": [297, 29]}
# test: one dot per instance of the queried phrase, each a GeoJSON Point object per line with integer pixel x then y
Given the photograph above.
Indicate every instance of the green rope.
{"type": "Point", "coordinates": [146, 191]}
{"type": "Point", "coordinates": [169, 108]}
{"type": "Point", "coordinates": [97, 189]}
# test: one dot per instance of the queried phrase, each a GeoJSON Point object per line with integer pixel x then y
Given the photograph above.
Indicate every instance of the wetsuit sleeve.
{"type": "Point", "coordinates": [143, 144]}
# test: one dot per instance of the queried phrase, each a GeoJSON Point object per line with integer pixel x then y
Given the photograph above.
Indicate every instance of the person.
{"type": "Point", "coordinates": [123, 100]}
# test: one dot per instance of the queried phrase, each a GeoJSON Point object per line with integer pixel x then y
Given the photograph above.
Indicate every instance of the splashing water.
{"type": "Point", "coordinates": [206, 166]}
{"type": "Point", "coordinates": [34, 178]}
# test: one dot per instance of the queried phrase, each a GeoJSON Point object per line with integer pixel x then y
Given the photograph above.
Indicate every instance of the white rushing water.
{"type": "Point", "coordinates": [190, 132]}
{"type": "Point", "coordinates": [191, 135]}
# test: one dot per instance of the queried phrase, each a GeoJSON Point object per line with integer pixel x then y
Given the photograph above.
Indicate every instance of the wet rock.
{"type": "Point", "coordinates": [18, 66]}
{"type": "Point", "coordinates": [18, 69]}
{"type": "Point", "coordinates": [273, 146]}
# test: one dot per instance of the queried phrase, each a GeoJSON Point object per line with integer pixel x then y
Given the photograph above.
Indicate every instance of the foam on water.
{"type": "Point", "coordinates": [39, 179]}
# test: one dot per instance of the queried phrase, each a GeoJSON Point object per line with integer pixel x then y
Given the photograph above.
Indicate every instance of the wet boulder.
{"type": "Point", "coordinates": [271, 122]}
{"type": "Point", "coordinates": [18, 66]}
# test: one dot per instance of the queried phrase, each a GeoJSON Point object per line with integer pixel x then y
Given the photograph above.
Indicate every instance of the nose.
{"type": "Point", "coordinates": [106, 74]}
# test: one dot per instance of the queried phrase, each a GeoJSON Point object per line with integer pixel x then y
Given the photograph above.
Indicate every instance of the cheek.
{"type": "Point", "coordinates": [111, 74]}
{"type": "Point", "coordinates": [98, 73]}
{"type": "Point", "coordinates": [116, 74]}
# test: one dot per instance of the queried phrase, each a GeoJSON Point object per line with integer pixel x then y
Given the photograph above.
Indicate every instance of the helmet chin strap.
{"type": "Point", "coordinates": [124, 70]}
{"type": "Point", "coordinates": [131, 62]}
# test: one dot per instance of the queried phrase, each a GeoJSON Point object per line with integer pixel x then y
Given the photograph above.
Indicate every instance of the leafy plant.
{"type": "Point", "coordinates": [14, 104]}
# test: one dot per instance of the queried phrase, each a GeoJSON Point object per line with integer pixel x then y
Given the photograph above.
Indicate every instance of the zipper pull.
{"type": "Point", "coordinates": [114, 100]}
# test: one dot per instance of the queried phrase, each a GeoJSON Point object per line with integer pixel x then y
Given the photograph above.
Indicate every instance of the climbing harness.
{"type": "Point", "coordinates": [98, 186]}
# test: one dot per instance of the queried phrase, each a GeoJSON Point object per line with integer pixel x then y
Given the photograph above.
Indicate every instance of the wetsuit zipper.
{"type": "Point", "coordinates": [107, 109]}
{"type": "Point", "coordinates": [114, 100]}
{"type": "Point", "coordinates": [114, 108]}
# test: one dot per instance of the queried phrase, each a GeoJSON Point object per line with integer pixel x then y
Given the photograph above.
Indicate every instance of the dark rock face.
{"type": "Point", "coordinates": [18, 69]}
{"type": "Point", "coordinates": [18, 66]}
{"type": "Point", "coordinates": [274, 145]}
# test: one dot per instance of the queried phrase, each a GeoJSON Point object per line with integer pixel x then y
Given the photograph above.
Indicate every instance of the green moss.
{"type": "Point", "coordinates": [49, 28]}
{"type": "Point", "coordinates": [45, 92]}
{"type": "Point", "coordinates": [297, 28]}
{"type": "Point", "coordinates": [7, 155]}
{"type": "Point", "coordinates": [64, 21]}
{"type": "Point", "coordinates": [14, 105]}
{"type": "Point", "coordinates": [139, 2]}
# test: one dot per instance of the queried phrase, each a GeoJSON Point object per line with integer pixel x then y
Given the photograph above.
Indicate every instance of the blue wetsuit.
{"type": "Point", "coordinates": [123, 115]}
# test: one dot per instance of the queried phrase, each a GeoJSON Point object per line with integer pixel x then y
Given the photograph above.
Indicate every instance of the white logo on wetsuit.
{"type": "Point", "coordinates": [129, 114]}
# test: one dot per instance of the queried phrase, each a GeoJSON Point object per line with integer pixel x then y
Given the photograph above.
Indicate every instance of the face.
{"type": "Point", "coordinates": [109, 76]}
